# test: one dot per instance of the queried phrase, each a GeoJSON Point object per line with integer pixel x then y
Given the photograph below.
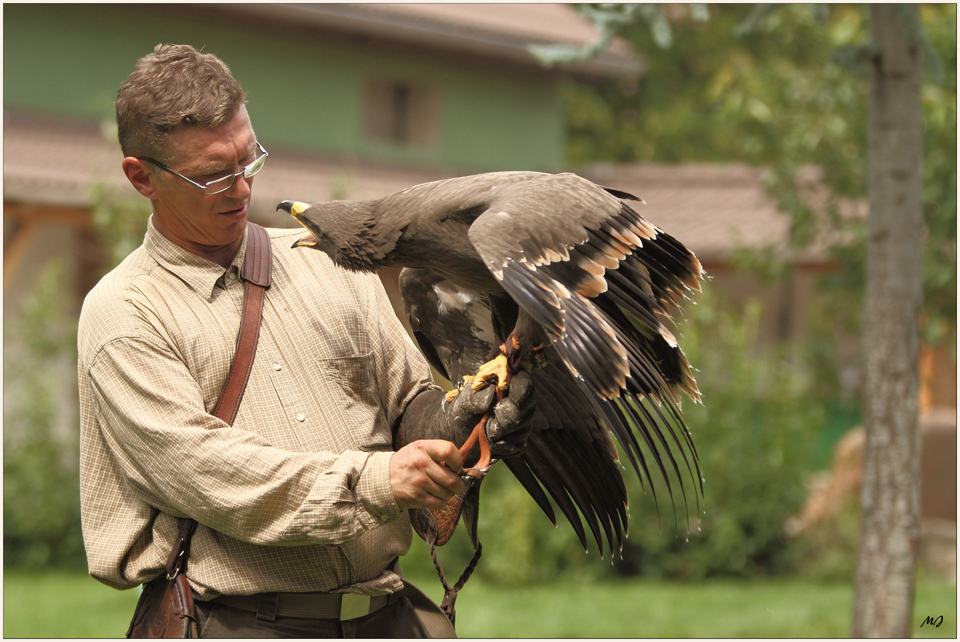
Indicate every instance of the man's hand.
{"type": "Point", "coordinates": [424, 474]}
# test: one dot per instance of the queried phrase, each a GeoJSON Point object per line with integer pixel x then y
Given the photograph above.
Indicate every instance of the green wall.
{"type": "Point", "coordinates": [70, 59]}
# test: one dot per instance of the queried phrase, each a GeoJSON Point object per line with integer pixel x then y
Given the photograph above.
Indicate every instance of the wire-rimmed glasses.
{"type": "Point", "coordinates": [220, 184]}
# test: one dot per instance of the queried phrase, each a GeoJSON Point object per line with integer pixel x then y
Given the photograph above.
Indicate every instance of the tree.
{"type": "Point", "coordinates": [784, 87]}
{"type": "Point", "coordinates": [774, 99]}
{"type": "Point", "coordinates": [890, 490]}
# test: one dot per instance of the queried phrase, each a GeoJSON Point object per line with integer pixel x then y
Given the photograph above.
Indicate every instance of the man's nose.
{"type": "Point", "coordinates": [241, 188]}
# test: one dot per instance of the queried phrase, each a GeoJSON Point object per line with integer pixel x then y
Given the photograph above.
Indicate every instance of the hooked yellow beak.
{"type": "Point", "coordinates": [296, 208]}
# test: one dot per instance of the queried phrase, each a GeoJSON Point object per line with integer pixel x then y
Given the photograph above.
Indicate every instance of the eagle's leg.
{"type": "Point", "coordinates": [497, 367]}
{"type": "Point", "coordinates": [479, 434]}
{"type": "Point", "coordinates": [502, 366]}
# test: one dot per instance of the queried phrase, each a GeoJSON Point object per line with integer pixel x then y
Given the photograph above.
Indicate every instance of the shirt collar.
{"type": "Point", "coordinates": [198, 273]}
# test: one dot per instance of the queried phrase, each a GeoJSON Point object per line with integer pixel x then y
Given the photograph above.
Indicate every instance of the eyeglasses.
{"type": "Point", "coordinates": [221, 184]}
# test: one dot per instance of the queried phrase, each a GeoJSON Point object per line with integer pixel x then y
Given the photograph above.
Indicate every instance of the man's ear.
{"type": "Point", "coordinates": [139, 177]}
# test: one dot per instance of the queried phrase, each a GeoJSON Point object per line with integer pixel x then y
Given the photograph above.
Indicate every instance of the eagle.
{"type": "Point", "coordinates": [563, 277]}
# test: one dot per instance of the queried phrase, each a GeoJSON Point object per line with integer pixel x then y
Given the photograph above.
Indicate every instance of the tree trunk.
{"type": "Point", "coordinates": [890, 492]}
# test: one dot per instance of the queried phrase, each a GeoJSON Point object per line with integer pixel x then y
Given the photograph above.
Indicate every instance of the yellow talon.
{"type": "Point", "coordinates": [495, 368]}
{"type": "Point", "coordinates": [452, 394]}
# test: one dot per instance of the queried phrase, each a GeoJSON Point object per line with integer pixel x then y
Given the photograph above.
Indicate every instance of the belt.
{"type": "Point", "coordinates": [324, 606]}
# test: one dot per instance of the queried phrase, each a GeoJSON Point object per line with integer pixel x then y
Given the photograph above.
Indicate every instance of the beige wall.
{"type": "Point", "coordinates": [33, 236]}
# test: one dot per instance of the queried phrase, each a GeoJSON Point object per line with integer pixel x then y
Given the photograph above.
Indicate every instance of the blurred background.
{"type": "Point", "coordinates": [743, 128]}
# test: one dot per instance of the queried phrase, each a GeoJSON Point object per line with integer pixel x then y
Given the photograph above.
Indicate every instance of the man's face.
{"type": "Point", "coordinates": [184, 213]}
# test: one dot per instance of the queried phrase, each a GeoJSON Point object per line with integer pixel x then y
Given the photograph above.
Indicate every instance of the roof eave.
{"type": "Point", "coordinates": [407, 29]}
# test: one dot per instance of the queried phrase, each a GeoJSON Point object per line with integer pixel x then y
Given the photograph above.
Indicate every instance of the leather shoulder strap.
{"type": "Point", "coordinates": [256, 273]}
{"type": "Point", "coordinates": [258, 261]}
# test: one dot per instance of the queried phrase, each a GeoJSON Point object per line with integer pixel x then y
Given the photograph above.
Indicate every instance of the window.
{"type": "Point", "coordinates": [401, 112]}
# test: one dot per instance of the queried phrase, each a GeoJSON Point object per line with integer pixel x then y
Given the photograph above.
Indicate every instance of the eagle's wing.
{"type": "Point", "coordinates": [603, 282]}
{"type": "Point", "coordinates": [569, 452]}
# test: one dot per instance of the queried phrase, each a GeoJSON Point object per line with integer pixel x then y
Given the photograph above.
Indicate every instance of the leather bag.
{"type": "Point", "coordinates": [175, 616]}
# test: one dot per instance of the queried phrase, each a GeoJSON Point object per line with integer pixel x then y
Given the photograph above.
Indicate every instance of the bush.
{"type": "Point", "coordinates": [41, 493]}
{"type": "Point", "coordinates": [754, 434]}
{"type": "Point", "coordinates": [827, 550]}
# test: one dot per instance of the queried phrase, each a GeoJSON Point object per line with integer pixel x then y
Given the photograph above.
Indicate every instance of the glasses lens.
{"type": "Point", "coordinates": [219, 185]}
{"type": "Point", "coordinates": [223, 184]}
{"type": "Point", "coordinates": [255, 166]}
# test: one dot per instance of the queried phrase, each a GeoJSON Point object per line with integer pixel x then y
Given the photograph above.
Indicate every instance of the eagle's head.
{"type": "Point", "coordinates": [342, 229]}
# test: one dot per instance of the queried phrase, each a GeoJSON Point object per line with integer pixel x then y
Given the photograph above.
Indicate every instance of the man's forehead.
{"type": "Point", "coordinates": [203, 148]}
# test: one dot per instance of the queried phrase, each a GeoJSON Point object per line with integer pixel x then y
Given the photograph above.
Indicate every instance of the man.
{"type": "Point", "coordinates": [303, 494]}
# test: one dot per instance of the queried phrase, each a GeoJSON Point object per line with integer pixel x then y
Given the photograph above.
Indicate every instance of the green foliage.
{"type": "Point", "coordinates": [41, 496]}
{"type": "Point", "coordinates": [609, 18]}
{"type": "Point", "coordinates": [754, 434]}
{"type": "Point", "coordinates": [783, 87]}
{"type": "Point", "coordinates": [120, 220]}
{"type": "Point", "coordinates": [827, 550]}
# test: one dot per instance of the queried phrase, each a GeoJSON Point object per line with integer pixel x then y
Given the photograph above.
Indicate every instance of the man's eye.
{"type": "Point", "coordinates": [206, 178]}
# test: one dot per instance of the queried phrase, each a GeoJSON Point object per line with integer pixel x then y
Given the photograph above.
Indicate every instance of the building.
{"type": "Point", "coordinates": [355, 101]}
{"type": "Point", "coordinates": [352, 101]}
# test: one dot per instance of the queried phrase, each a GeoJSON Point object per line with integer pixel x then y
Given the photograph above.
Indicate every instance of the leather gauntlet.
{"type": "Point", "coordinates": [428, 416]}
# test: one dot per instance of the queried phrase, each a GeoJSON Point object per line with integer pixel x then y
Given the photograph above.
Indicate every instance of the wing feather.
{"type": "Point", "coordinates": [607, 309]}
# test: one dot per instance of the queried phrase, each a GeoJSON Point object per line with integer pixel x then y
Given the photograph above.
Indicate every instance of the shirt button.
{"type": "Point", "coordinates": [232, 276]}
{"type": "Point", "coordinates": [277, 367]}
{"type": "Point", "coordinates": [301, 417]}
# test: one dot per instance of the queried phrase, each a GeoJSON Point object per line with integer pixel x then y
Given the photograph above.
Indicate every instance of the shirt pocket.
{"type": "Point", "coordinates": [355, 377]}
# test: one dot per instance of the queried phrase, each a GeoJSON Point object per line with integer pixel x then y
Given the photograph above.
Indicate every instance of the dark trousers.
{"type": "Point", "coordinates": [409, 614]}
{"type": "Point", "coordinates": [398, 619]}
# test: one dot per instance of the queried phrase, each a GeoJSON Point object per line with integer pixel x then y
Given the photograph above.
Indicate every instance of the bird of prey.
{"type": "Point", "coordinates": [556, 274]}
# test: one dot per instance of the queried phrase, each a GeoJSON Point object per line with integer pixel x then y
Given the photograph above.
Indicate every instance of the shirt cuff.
{"type": "Point", "coordinates": [374, 494]}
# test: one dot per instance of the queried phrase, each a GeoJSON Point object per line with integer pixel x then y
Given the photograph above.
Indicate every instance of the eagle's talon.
{"type": "Point", "coordinates": [473, 475]}
{"type": "Point", "coordinates": [499, 368]}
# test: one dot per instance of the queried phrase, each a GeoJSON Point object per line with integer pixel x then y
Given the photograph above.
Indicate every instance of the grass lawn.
{"type": "Point", "coordinates": [62, 604]}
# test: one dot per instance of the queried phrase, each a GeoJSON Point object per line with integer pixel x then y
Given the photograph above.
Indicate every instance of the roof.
{"type": "Point", "coordinates": [494, 31]}
{"type": "Point", "coordinates": [712, 209]}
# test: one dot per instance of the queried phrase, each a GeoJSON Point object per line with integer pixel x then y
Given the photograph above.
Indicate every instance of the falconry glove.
{"type": "Point", "coordinates": [428, 416]}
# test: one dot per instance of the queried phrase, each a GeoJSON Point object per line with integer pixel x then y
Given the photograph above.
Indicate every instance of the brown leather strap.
{"type": "Point", "coordinates": [256, 273]}
{"type": "Point", "coordinates": [177, 559]}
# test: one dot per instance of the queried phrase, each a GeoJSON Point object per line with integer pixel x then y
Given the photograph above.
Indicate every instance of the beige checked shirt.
{"type": "Point", "coordinates": [295, 496]}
